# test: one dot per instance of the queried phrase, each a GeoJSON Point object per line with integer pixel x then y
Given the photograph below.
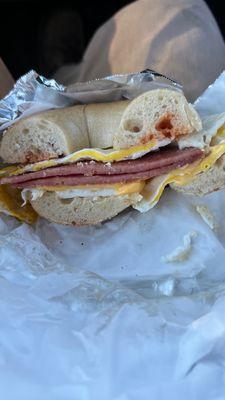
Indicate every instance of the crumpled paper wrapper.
{"type": "Point", "coordinates": [98, 312]}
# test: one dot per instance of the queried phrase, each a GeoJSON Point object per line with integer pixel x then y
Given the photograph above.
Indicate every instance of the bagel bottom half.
{"type": "Point", "coordinates": [81, 211]}
{"type": "Point", "coordinates": [205, 182]}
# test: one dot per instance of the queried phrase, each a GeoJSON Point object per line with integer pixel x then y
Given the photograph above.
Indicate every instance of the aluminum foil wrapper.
{"type": "Point", "coordinates": [33, 93]}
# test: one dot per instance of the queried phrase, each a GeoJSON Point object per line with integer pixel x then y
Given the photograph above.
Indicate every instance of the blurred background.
{"type": "Point", "coordinates": [45, 35]}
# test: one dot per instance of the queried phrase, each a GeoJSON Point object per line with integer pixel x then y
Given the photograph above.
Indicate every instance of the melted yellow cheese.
{"type": "Point", "coordinates": [84, 154]}
{"type": "Point", "coordinates": [219, 137]}
{"type": "Point", "coordinates": [221, 131]}
{"type": "Point", "coordinates": [181, 176]}
{"type": "Point", "coordinates": [11, 203]}
{"type": "Point", "coordinates": [120, 188]}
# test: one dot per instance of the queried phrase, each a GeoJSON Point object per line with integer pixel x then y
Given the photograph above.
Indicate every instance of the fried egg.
{"type": "Point", "coordinates": [213, 128]}
{"type": "Point", "coordinates": [68, 192]}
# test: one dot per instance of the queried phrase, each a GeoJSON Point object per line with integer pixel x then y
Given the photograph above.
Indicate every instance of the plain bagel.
{"type": "Point", "coordinates": [156, 114]}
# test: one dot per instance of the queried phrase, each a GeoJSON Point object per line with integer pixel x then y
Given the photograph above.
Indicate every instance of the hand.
{"type": "Point", "coordinates": [6, 80]}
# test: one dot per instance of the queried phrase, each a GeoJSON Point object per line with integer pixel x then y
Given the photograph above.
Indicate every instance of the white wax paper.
{"type": "Point", "coordinates": [95, 313]}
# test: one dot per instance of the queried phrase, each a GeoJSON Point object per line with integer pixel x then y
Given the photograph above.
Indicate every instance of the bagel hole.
{"type": "Point", "coordinates": [51, 144]}
{"type": "Point", "coordinates": [133, 126]}
{"type": "Point", "coordinates": [66, 201]}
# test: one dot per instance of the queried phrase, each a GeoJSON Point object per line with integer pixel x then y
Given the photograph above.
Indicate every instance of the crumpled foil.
{"type": "Point", "coordinates": [96, 313]}
{"type": "Point", "coordinates": [33, 93]}
{"type": "Point", "coordinates": [29, 91]}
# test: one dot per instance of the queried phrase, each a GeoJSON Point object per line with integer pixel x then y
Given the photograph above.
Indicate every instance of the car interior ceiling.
{"type": "Point", "coordinates": [24, 23]}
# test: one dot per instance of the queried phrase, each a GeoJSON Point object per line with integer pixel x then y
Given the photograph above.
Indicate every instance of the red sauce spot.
{"type": "Point", "coordinates": [135, 129]}
{"type": "Point", "coordinates": [147, 138]}
{"type": "Point", "coordinates": [164, 124]}
{"type": "Point", "coordinates": [166, 128]}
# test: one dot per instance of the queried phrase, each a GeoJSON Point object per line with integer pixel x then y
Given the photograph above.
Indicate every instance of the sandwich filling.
{"type": "Point", "coordinates": [140, 171]}
{"type": "Point", "coordinates": [92, 172]}
{"type": "Point", "coordinates": [92, 178]}
{"type": "Point", "coordinates": [143, 178]}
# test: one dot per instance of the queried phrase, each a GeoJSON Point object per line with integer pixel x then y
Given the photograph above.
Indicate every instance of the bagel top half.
{"type": "Point", "coordinates": [159, 115]}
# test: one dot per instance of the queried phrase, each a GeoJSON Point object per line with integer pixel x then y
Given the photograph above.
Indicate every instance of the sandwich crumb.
{"type": "Point", "coordinates": [207, 216]}
{"type": "Point", "coordinates": [181, 253]}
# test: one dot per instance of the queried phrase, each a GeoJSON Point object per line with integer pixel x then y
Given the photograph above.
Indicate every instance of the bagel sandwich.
{"type": "Point", "coordinates": [85, 164]}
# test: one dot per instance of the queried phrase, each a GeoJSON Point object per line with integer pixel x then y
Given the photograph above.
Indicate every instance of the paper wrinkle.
{"type": "Point", "coordinates": [207, 216]}
{"type": "Point", "coordinates": [181, 253]}
{"type": "Point", "coordinates": [92, 313]}
{"type": "Point", "coordinates": [200, 343]}
{"type": "Point", "coordinates": [92, 321]}
{"type": "Point", "coordinates": [212, 101]}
